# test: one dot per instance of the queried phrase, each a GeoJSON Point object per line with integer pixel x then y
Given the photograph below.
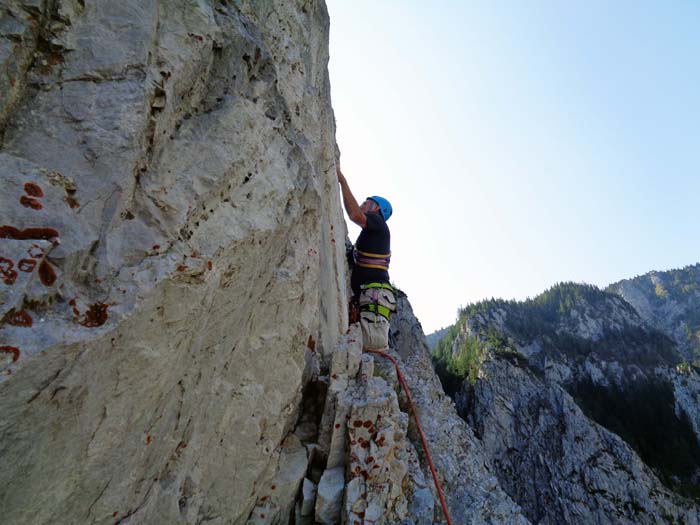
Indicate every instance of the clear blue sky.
{"type": "Point", "coordinates": [521, 143]}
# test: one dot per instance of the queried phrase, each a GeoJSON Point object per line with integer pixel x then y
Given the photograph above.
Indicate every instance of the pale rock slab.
{"type": "Point", "coordinates": [275, 507]}
{"type": "Point", "coordinates": [329, 498]}
{"type": "Point", "coordinates": [186, 155]}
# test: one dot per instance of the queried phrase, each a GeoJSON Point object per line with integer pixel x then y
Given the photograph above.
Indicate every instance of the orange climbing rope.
{"type": "Point", "coordinates": [420, 431]}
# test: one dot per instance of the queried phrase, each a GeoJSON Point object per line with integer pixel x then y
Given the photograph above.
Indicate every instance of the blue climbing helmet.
{"type": "Point", "coordinates": [384, 206]}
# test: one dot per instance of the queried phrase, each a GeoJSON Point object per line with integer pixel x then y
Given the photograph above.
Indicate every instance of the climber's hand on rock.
{"type": "Point", "coordinates": [341, 178]}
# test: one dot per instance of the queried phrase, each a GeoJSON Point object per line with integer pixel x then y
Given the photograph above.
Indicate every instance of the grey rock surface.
{"type": "Point", "coordinates": [559, 465]}
{"type": "Point", "coordinates": [170, 212]}
{"type": "Point", "coordinates": [544, 371]}
{"type": "Point", "coordinates": [474, 494]}
{"type": "Point", "coordinates": [329, 498]}
{"type": "Point", "coordinates": [669, 301]}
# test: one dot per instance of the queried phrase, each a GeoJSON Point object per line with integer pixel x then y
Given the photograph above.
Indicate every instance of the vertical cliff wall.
{"type": "Point", "coordinates": [584, 411]}
{"type": "Point", "coordinates": [171, 243]}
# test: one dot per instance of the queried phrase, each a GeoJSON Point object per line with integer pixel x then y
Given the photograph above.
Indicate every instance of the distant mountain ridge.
{"type": "Point", "coordinates": [669, 301]}
{"type": "Point", "coordinates": [532, 376]}
{"type": "Point", "coordinates": [433, 338]}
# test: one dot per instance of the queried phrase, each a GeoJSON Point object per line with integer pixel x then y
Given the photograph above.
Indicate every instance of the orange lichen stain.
{"type": "Point", "coordinates": [11, 350]}
{"type": "Point", "coordinates": [35, 251]}
{"type": "Point", "coordinates": [357, 423]}
{"type": "Point", "coordinates": [149, 440]}
{"type": "Point", "coordinates": [29, 202]}
{"type": "Point", "coordinates": [47, 273]}
{"type": "Point", "coordinates": [364, 444]}
{"type": "Point", "coordinates": [273, 487]}
{"type": "Point", "coordinates": [367, 424]}
{"type": "Point", "coordinates": [6, 264]}
{"type": "Point", "coordinates": [369, 460]}
{"type": "Point", "coordinates": [21, 318]}
{"type": "Point", "coordinates": [75, 308]}
{"type": "Point", "coordinates": [156, 247]}
{"type": "Point", "coordinates": [334, 376]}
{"type": "Point", "coordinates": [181, 268]}
{"type": "Point", "coordinates": [96, 315]}
{"type": "Point", "coordinates": [10, 277]}
{"type": "Point", "coordinates": [210, 265]}
{"type": "Point", "coordinates": [10, 232]}
{"type": "Point", "coordinates": [337, 425]}
{"type": "Point", "coordinates": [26, 265]}
{"type": "Point", "coordinates": [311, 343]}
{"type": "Point", "coordinates": [8, 274]}
{"type": "Point", "coordinates": [115, 514]}
{"type": "Point", "coordinates": [33, 190]}
{"type": "Point", "coordinates": [71, 201]}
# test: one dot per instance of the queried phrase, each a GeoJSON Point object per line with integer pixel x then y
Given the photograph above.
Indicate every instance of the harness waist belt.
{"type": "Point", "coordinates": [383, 286]}
{"type": "Point", "coordinates": [371, 260]}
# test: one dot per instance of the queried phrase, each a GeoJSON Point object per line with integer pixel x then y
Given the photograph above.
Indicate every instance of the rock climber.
{"type": "Point", "coordinates": [373, 298]}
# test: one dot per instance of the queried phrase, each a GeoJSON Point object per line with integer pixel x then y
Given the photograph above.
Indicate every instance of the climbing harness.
{"type": "Point", "coordinates": [371, 260]}
{"type": "Point", "coordinates": [381, 286]}
{"type": "Point", "coordinates": [420, 431]}
{"type": "Point", "coordinates": [378, 298]}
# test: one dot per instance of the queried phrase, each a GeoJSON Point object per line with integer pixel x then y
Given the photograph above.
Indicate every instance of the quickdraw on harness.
{"type": "Point", "coordinates": [375, 307]}
{"type": "Point", "coordinates": [371, 260]}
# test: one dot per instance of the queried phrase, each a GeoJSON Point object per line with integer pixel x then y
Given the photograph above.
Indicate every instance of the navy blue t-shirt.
{"type": "Point", "coordinates": [376, 239]}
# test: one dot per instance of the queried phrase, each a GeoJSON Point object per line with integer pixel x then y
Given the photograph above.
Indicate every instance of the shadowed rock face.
{"type": "Point", "coordinates": [583, 409]}
{"type": "Point", "coordinates": [170, 267]}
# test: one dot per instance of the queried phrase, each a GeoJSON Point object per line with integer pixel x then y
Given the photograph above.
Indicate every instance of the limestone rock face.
{"type": "Point", "coordinates": [576, 401]}
{"type": "Point", "coordinates": [560, 466]}
{"type": "Point", "coordinates": [474, 494]}
{"type": "Point", "coordinates": [376, 470]}
{"type": "Point", "coordinates": [170, 270]}
{"type": "Point", "coordinates": [669, 301]}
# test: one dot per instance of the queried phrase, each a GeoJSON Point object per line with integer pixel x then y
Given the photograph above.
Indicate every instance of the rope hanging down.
{"type": "Point", "coordinates": [420, 431]}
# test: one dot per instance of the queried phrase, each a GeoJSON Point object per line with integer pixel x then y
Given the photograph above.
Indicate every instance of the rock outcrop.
{"type": "Point", "coordinates": [474, 494]}
{"type": "Point", "coordinates": [575, 401]}
{"type": "Point", "coordinates": [170, 270]}
{"type": "Point", "coordinates": [376, 469]}
{"type": "Point", "coordinates": [670, 302]}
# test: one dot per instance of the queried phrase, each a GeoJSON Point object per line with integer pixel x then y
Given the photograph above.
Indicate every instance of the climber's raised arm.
{"type": "Point", "coordinates": [353, 209]}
